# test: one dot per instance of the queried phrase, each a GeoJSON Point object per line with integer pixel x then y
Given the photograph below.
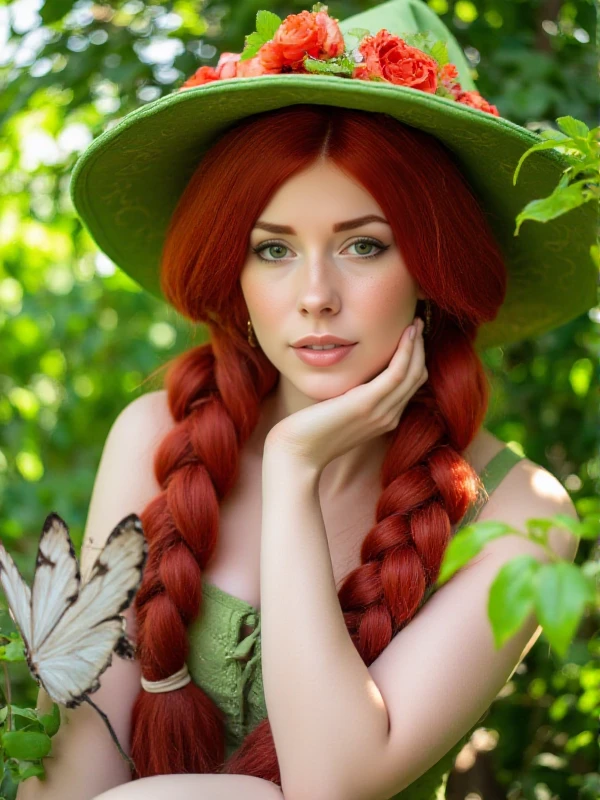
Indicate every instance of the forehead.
{"type": "Point", "coordinates": [321, 192]}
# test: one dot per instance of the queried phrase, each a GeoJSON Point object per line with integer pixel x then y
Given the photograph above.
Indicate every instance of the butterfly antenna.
{"type": "Point", "coordinates": [111, 731]}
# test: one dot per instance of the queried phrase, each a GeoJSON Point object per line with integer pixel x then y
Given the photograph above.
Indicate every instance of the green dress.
{"type": "Point", "coordinates": [228, 666]}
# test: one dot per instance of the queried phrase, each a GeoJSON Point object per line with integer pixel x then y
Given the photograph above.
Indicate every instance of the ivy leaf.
{"type": "Point", "coordinates": [30, 769]}
{"type": "Point", "coordinates": [588, 528]}
{"type": "Point", "coordinates": [28, 713]}
{"type": "Point", "coordinates": [51, 721]}
{"type": "Point", "coordinates": [26, 745]}
{"type": "Point", "coordinates": [574, 128]}
{"type": "Point", "coordinates": [561, 200]}
{"type": "Point", "coordinates": [14, 651]}
{"type": "Point", "coordinates": [546, 145]}
{"type": "Point", "coordinates": [511, 597]}
{"type": "Point", "coordinates": [467, 543]}
{"type": "Point", "coordinates": [537, 529]}
{"type": "Point", "coordinates": [561, 595]}
{"type": "Point", "coordinates": [266, 24]}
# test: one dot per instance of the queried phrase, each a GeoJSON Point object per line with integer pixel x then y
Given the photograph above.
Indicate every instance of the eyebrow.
{"type": "Point", "coordinates": [339, 226]}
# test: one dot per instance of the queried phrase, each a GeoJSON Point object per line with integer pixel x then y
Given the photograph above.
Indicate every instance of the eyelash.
{"type": "Point", "coordinates": [272, 242]}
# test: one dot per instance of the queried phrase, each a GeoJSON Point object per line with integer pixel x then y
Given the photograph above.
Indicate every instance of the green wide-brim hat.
{"type": "Point", "coordinates": [125, 186]}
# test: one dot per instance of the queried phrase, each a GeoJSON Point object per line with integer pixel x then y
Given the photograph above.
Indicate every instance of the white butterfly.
{"type": "Point", "coordinates": [70, 630]}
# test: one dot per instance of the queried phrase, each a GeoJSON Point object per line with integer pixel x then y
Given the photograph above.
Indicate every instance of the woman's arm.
{"type": "Point", "coordinates": [322, 703]}
{"type": "Point", "coordinates": [195, 787]}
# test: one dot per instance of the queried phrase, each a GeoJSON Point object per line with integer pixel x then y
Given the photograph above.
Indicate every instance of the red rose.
{"type": "Point", "coordinates": [389, 57]}
{"type": "Point", "coordinates": [475, 100]}
{"type": "Point", "coordinates": [227, 66]}
{"type": "Point", "coordinates": [270, 56]}
{"type": "Point", "coordinates": [202, 75]}
{"type": "Point", "coordinates": [253, 66]}
{"type": "Point", "coordinates": [309, 33]}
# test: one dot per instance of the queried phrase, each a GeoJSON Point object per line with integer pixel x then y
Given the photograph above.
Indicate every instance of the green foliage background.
{"type": "Point", "coordinates": [79, 340]}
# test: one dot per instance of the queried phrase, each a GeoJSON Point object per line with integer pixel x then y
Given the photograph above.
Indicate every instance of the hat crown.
{"type": "Point", "coordinates": [413, 16]}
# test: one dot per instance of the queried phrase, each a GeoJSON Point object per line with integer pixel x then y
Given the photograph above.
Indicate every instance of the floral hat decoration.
{"type": "Point", "coordinates": [397, 58]}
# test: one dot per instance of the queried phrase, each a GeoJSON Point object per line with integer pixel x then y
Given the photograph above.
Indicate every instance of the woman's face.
{"type": "Point", "coordinates": [316, 277]}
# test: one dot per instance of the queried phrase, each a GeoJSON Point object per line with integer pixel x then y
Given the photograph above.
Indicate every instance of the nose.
{"type": "Point", "coordinates": [319, 292]}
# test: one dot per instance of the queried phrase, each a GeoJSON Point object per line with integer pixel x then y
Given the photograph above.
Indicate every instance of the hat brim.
{"type": "Point", "coordinates": [127, 184]}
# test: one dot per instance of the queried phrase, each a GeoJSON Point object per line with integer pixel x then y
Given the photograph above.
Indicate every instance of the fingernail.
{"type": "Point", "coordinates": [412, 333]}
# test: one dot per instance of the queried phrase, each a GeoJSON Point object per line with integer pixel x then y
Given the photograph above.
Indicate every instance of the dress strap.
{"type": "Point", "coordinates": [491, 476]}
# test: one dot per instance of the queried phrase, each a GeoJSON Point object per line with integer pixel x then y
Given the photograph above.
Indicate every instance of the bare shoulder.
{"type": "Point", "coordinates": [150, 412]}
{"type": "Point", "coordinates": [527, 491]}
{"type": "Point", "coordinates": [125, 480]}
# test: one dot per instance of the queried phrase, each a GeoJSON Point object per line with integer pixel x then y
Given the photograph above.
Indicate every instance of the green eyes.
{"type": "Point", "coordinates": [278, 246]}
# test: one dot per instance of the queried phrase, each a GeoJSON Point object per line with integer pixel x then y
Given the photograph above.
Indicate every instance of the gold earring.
{"type": "Point", "coordinates": [427, 327]}
{"type": "Point", "coordinates": [251, 337]}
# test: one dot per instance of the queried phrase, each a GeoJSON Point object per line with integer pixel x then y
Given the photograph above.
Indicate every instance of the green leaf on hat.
{"type": "Point", "coordinates": [424, 41]}
{"type": "Point", "coordinates": [254, 41]}
{"type": "Point", "coordinates": [358, 33]}
{"type": "Point", "coordinates": [354, 37]}
{"type": "Point", "coordinates": [319, 7]}
{"type": "Point", "coordinates": [266, 24]}
{"type": "Point", "coordinates": [439, 52]}
{"type": "Point", "coordinates": [335, 66]}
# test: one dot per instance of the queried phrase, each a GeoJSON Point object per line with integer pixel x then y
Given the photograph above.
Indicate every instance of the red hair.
{"type": "Point", "coordinates": [215, 391]}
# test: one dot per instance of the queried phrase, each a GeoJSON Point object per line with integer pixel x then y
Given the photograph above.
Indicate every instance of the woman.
{"type": "Point", "coordinates": [292, 486]}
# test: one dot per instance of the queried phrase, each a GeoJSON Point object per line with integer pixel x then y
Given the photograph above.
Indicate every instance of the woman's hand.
{"type": "Point", "coordinates": [318, 434]}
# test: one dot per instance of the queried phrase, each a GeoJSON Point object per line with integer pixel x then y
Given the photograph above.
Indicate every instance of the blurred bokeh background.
{"type": "Point", "coordinates": [79, 340]}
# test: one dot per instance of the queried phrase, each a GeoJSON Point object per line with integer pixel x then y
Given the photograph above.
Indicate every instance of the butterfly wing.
{"type": "Point", "coordinates": [56, 580]}
{"type": "Point", "coordinates": [80, 646]}
{"type": "Point", "coordinates": [18, 595]}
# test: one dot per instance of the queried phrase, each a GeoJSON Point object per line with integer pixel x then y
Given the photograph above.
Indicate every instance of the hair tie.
{"type": "Point", "coordinates": [174, 681]}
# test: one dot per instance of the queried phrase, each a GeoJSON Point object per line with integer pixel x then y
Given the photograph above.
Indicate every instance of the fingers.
{"type": "Point", "coordinates": [400, 377]}
{"type": "Point", "coordinates": [406, 373]}
{"type": "Point", "coordinates": [417, 371]}
{"type": "Point", "coordinates": [408, 364]}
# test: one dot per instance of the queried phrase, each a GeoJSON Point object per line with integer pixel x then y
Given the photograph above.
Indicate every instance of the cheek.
{"type": "Point", "coordinates": [388, 302]}
{"type": "Point", "coordinates": [266, 309]}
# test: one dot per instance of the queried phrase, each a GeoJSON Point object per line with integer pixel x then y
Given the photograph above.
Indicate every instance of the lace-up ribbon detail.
{"type": "Point", "coordinates": [248, 656]}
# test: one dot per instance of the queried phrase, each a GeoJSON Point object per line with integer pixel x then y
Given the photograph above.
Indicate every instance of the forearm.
{"type": "Point", "coordinates": [321, 700]}
{"type": "Point", "coordinates": [195, 787]}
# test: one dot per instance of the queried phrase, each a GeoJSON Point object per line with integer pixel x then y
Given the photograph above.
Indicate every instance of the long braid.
{"type": "Point", "coordinates": [196, 465]}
